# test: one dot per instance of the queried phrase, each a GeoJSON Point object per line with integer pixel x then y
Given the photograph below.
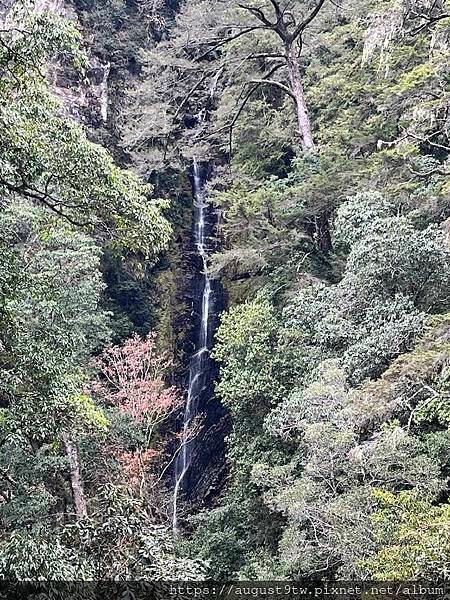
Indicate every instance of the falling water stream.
{"type": "Point", "coordinates": [199, 362]}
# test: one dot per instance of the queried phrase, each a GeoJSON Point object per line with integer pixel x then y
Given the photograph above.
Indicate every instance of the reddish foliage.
{"type": "Point", "coordinates": [135, 464]}
{"type": "Point", "coordinates": [131, 378]}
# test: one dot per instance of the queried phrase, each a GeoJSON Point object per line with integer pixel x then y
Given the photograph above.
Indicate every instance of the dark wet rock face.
{"type": "Point", "coordinates": [200, 464]}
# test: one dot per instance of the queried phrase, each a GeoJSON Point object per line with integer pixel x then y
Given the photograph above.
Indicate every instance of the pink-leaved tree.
{"type": "Point", "coordinates": [131, 378]}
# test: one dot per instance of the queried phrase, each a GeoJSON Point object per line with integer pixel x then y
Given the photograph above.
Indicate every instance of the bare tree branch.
{"type": "Point", "coordinates": [180, 106]}
{"type": "Point", "coordinates": [229, 39]}
{"type": "Point", "coordinates": [45, 199]}
{"type": "Point", "coordinates": [426, 174]}
{"type": "Point", "coordinates": [429, 22]}
{"type": "Point", "coordinates": [258, 13]}
{"type": "Point", "coordinates": [247, 96]}
{"type": "Point", "coordinates": [304, 24]}
{"type": "Point", "coordinates": [275, 83]}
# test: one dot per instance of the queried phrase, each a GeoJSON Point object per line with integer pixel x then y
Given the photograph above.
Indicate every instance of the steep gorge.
{"type": "Point", "coordinates": [188, 336]}
{"type": "Point", "coordinates": [201, 369]}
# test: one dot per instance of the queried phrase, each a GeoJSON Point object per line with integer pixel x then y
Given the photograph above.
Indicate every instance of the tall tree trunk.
{"type": "Point", "coordinates": [75, 476]}
{"type": "Point", "coordinates": [322, 228]}
{"type": "Point", "coordinates": [304, 124]}
{"type": "Point", "coordinates": [323, 236]}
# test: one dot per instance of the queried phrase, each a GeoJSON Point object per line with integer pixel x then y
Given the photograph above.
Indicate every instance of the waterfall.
{"type": "Point", "coordinates": [200, 360]}
{"type": "Point", "coordinates": [103, 92]}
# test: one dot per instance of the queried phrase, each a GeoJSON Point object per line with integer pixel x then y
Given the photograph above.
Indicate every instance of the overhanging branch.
{"type": "Point", "coordinates": [229, 39]}
{"type": "Point", "coordinates": [275, 83]}
{"type": "Point", "coordinates": [45, 199]}
{"type": "Point", "coordinates": [304, 24]}
{"type": "Point", "coordinates": [258, 13]}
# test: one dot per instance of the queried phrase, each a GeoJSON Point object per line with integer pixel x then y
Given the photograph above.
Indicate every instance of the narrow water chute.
{"type": "Point", "coordinates": [199, 362]}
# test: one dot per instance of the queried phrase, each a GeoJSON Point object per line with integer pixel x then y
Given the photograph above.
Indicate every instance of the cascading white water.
{"type": "Point", "coordinates": [199, 360]}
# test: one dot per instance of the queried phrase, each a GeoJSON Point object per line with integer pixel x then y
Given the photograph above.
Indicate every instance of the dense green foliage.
{"type": "Point", "coordinates": [334, 362]}
{"type": "Point", "coordinates": [49, 159]}
{"type": "Point", "coordinates": [70, 452]}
